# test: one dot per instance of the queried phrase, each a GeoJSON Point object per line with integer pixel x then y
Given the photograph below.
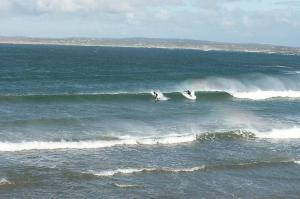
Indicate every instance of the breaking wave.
{"type": "Point", "coordinates": [201, 95]}
{"type": "Point", "coordinates": [261, 95]}
{"type": "Point", "coordinates": [44, 145]}
{"type": "Point", "coordinates": [252, 86]}
{"type": "Point", "coordinates": [290, 133]}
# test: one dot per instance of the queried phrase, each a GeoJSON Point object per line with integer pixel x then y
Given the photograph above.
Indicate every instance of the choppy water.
{"type": "Point", "coordinates": [80, 122]}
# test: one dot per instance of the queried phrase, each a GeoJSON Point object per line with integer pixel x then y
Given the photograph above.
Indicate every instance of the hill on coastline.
{"type": "Point", "coordinates": [155, 43]}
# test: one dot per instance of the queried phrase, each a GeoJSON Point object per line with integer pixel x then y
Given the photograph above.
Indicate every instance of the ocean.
{"type": "Point", "coordinates": [80, 122]}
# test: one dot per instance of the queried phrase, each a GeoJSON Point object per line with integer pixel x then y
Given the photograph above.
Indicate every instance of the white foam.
{"type": "Point", "coordinates": [288, 133]}
{"type": "Point", "coordinates": [139, 170]}
{"type": "Point", "coordinates": [172, 139]}
{"type": "Point", "coordinates": [40, 145]}
{"type": "Point", "coordinates": [297, 161]}
{"type": "Point", "coordinates": [128, 185]}
{"type": "Point", "coordinates": [261, 95]}
{"type": "Point", "coordinates": [122, 171]}
{"type": "Point", "coordinates": [191, 96]}
{"type": "Point", "coordinates": [160, 96]}
{"type": "Point", "coordinates": [256, 87]}
{"type": "Point", "coordinates": [291, 72]}
{"type": "Point", "coordinates": [4, 181]}
{"type": "Point", "coordinates": [278, 66]}
{"type": "Point", "coordinates": [186, 169]}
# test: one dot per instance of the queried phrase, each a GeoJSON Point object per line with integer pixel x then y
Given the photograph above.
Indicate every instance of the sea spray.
{"type": "Point", "coordinates": [255, 87]}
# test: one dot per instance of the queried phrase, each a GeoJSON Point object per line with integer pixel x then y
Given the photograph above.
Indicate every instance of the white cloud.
{"type": "Point", "coordinates": [222, 20]}
{"type": "Point", "coordinates": [64, 5]}
{"type": "Point", "coordinates": [115, 6]}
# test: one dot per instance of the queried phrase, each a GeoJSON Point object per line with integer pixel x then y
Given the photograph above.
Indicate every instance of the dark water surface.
{"type": "Point", "coordinates": [80, 122]}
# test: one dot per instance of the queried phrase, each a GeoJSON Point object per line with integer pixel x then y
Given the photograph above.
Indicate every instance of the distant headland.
{"type": "Point", "coordinates": [155, 43]}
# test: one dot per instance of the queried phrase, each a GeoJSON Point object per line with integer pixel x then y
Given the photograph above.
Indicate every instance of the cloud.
{"type": "Point", "coordinates": [69, 6]}
{"type": "Point", "coordinates": [265, 21]}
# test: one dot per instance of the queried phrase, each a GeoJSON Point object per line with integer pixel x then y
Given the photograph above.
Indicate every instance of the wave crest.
{"type": "Point", "coordinates": [252, 86]}
{"type": "Point", "coordinates": [124, 186]}
{"type": "Point", "coordinates": [201, 94]}
{"type": "Point", "coordinates": [146, 170]}
{"type": "Point", "coordinates": [240, 165]}
{"type": "Point", "coordinates": [38, 145]}
{"type": "Point", "coordinates": [4, 182]}
{"type": "Point", "coordinates": [261, 95]}
{"type": "Point", "coordinates": [290, 133]}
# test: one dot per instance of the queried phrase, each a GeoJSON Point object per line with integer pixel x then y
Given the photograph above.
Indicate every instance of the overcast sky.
{"type": "Point", "coordinates": [258, 21]}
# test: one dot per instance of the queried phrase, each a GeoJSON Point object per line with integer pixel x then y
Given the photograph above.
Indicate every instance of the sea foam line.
{"type": "Point", "coordinates": [43, 145]}
{"type": "Point", "coordinates": [261, 94]}
{"type": "Point", "coordinates": [285, 133]}
{"type": "Point", "coordinates": [124, 186]}
{"type": "Point", "coordinates": [129, 171]}
{"type": "Point", "coordinates": [140, 170]}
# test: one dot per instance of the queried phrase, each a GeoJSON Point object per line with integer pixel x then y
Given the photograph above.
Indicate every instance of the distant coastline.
{"type": "Point", "coordinates": [155, 43]}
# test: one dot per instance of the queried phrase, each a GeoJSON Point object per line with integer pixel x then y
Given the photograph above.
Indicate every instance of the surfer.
{"type": "Point", "coordinates": [189, 92]}
{"type": "Point", "coordinates": [155, 95]}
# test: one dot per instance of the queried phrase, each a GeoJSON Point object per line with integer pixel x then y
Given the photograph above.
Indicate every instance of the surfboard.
{"type": "Point", "coordinates": [190, 97]}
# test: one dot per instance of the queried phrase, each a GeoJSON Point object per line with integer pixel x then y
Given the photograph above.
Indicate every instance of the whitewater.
{"type": "Point", "coordinates": [289, 133]}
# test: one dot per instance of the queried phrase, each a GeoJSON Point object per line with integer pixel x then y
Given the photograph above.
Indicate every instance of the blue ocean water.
{"type": "Point", "coordinates": [80, 122]}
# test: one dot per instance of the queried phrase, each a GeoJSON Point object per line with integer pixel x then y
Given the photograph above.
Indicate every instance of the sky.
{"type": "Point", "coordinates": [239, 21]}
